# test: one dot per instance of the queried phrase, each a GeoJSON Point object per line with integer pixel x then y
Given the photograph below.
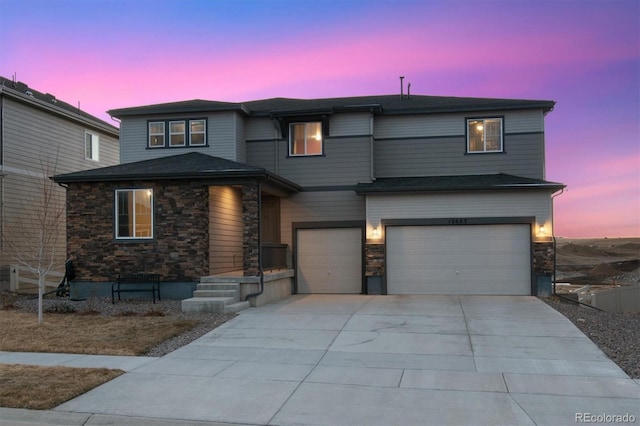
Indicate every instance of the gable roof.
{"type": "Point", "coordinates": [19, 91]}
{"type": "Point", "coordinates": [192, 165]}
{"type": "Point", "coordinates": [384, 104]}
{"type": "Point", "coordinates": [492, 182]}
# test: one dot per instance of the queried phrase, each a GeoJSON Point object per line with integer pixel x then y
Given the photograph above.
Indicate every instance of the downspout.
{"type": "Point", "coordinates": [555, 259]}
{"type": "Point", "coordinates": [371, 138]}
{"type": "Point", "coordinates": [261, 290]}
{"type": "Point", "coordinates": [276, 152]}
{"type": "Point", "coordinates": [2, 218]}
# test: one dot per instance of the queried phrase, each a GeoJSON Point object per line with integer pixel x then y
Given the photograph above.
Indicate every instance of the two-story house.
{"type": "Point", "coordinates": [375, 194]}
{"type": "Point", "coordinates": [40, 134]}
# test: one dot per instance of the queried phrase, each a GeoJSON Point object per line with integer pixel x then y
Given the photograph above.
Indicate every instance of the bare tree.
{"type": "Point", "coordinates": [34, 237]}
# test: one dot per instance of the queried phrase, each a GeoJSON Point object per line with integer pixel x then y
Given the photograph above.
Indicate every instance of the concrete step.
{"type": "Point", "coordinates": [217, 293]}
{"type": "Point", "coordinates": [218, 286]}
{"type": "Point", "coordinates": [207, 304]}
{"type": "Point", "coordinates": [236, 307]}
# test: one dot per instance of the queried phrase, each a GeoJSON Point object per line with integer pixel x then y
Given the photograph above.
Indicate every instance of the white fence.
{"type": "Point", "coordinates": [619, 299]}
{"type": "Point", "coordinates": [22, 279]}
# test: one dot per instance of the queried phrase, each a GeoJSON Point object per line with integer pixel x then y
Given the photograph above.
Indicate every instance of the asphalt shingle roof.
{"type": "Point", "coordinates": [52, 103]}
{"type": "Point", "coordinates": [383, 104]}
{"type": "Point", "coordinates": [193, 165]}
{"type": "Point", "coordinates": [454, 183]}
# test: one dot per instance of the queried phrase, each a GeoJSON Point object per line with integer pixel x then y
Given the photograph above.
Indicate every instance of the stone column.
{"type": "Point", "coordinates": [374, 259]}
{"type": "Point", "coordinates": [543, 258]}
{"type": "Point", "coordinates": [251, 229]}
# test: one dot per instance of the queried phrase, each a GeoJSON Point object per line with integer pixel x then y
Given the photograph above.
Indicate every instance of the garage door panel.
{"type": "Point", "coordinates": [329, 260]}
{"type": "Point", "coordinates": [476, 259]}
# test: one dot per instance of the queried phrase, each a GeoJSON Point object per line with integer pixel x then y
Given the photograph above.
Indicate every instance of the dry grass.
{"type": "Point", "coordinates": [86, 334]}
{"type": "Point", "coordinates": [42, 388]}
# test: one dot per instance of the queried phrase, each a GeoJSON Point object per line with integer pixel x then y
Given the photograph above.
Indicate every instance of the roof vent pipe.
{"type": "Point", "coordinates": [401, 87]}
{"type": "Point", "coordinates": [408, 90]}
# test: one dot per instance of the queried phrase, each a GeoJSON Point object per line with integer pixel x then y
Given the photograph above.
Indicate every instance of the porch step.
{"type": "Point", "coordinates": [216, 293]}
{"type": "Point", "coordinates": [215, 297]}
{"type": "Point", "coordinates": [206, 304]}
{"type": "Point", "coordinates": [236, 307]}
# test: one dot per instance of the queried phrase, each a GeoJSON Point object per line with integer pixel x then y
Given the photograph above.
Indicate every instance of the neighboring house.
{"type": "Point", "coordinates": [373, 194]}
{"type": "Point", "coordinates": [40, 134]}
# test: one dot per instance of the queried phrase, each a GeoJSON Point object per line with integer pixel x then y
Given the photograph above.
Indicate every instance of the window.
{"type": "Point", "coordinates": [156, 133]}
{"type": "Point", "coordinates": [91, 146]}
{"type": "Point", "coordinates": [175, 131]}
{"type": "Point", "coordinates": [197, 130]}
{"type": "Point", "coordinates": [305, 138]}
{"type": "Point", "coordinates": [484, 135]}
{"type": "Point", "coordinates": [134, 218]}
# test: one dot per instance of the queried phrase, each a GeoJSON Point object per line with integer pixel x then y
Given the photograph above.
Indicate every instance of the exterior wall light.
{"type": "Point", "coordinates": [542, 230]}
{"type": "Point", "coordinates": [376, 232]}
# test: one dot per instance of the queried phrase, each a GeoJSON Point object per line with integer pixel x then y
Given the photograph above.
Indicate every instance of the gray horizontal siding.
{"type": "Point", "coordinates": [469, 205]}
{"type": "Point", "coordinates": [346, 162]}
{"type": "Point", "coordinates": [524, 156]}
{"type": "Point", "coordinates": [38, 144]}
{"type": "Point", "coordinates": [432, 125]}
{"type": "Point", "coordinates": [319, 207]}
{"type": "Point", "coordinates": [31, 136]}
{"type": "Point", "coordinates": [260, 128]}
{"type": "Point", "coordinates": [352, 124]}
{"type": "Point", "coordinates": [241, 141]}
{"type": "Point", "coordinates": [221, 137]}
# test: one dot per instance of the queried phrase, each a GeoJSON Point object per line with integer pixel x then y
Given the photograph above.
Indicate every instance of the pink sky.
{"type": "Point", "coordinates": [585, 55]}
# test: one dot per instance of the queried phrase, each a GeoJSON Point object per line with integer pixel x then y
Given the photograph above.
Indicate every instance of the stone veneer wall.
{"type": "Point", "coordinates": [374, 259]}
{"type": "Point", "coordinates": [251, 229]}
{"type": "Point", "coordinates": [178, 252]}
{"type": "Point", "coordinates": [543, 258]}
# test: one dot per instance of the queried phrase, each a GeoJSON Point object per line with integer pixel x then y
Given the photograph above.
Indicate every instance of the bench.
{"type": "Point", "coordinates": [135, 283]}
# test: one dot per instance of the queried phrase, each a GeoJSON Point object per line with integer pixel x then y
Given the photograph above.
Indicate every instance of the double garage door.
{"type": "Point", "coordinates": [469, 259]}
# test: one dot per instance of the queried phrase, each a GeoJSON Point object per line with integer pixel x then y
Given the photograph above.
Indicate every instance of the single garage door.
{"type": "Point", "coordinates": [471, 259]}
{"type": "Point", "coordinates": [329, 260]}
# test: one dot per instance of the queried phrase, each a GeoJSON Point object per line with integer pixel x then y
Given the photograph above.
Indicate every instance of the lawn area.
{"type": "Point", "coordinates": [87, 334]}
{"type": "Point", "coordinates": [42, 388]}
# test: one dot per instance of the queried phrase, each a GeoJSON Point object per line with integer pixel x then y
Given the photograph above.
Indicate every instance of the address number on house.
{"type": "Point", "coordinates": [458, 221]}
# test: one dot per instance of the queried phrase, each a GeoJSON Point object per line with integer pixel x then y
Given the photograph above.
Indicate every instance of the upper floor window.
{"type": "Point", "coordinates": [91, 146]}
{"type": "Point", "coordinates": [134, 217]}
{"type": "Point", "coordinates": [156, 133]}
{"type": "Point", "coordinates": [197, 130]}
{"type": "Point", "coordinates": [484, 135]}
{"type": "Point", "coordinates": [178, 133]}
{"type": "Point", "coordinates": [305, 138]}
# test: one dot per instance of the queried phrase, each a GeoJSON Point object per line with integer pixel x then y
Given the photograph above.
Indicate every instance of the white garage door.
{"type": "Point", "coordinates": [329, 260]}
{"type": "Point", "coordinates": [472, 259]}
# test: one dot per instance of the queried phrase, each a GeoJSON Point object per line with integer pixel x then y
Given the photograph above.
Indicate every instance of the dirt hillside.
{"type": "Point", "coordinates": [600, 262]}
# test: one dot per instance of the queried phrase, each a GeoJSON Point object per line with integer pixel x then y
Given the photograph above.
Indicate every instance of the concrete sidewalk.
{"type": "Point", "coordinates": [375, 360]}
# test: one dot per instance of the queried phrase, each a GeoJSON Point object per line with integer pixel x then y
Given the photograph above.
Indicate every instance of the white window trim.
{"type": "Point", "coordinates": [484, 142]}
{"type": "Point", "coordinates": [95, 146]}
{"type": "Point", "coordinates": [117, 215]}
{"type": "Point", "coordinates": [183, 133]}
{"type": "Point", "coordinates": [204, 132]}
{"type": "Point", "coordinates": [151, 134]}
{"type": "Point", "coordinates": [291, 133]}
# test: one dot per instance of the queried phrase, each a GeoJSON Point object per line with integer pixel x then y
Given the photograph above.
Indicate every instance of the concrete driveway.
{"type": "Point", "coordinates": [379, 360]}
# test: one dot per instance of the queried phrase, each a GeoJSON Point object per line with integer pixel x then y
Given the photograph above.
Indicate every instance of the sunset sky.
{"type": "Point", "coordinates": [585, 55]}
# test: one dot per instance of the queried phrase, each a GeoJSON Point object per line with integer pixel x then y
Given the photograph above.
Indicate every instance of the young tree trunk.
{"type": "Point", "coordinates": [41, 281]}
